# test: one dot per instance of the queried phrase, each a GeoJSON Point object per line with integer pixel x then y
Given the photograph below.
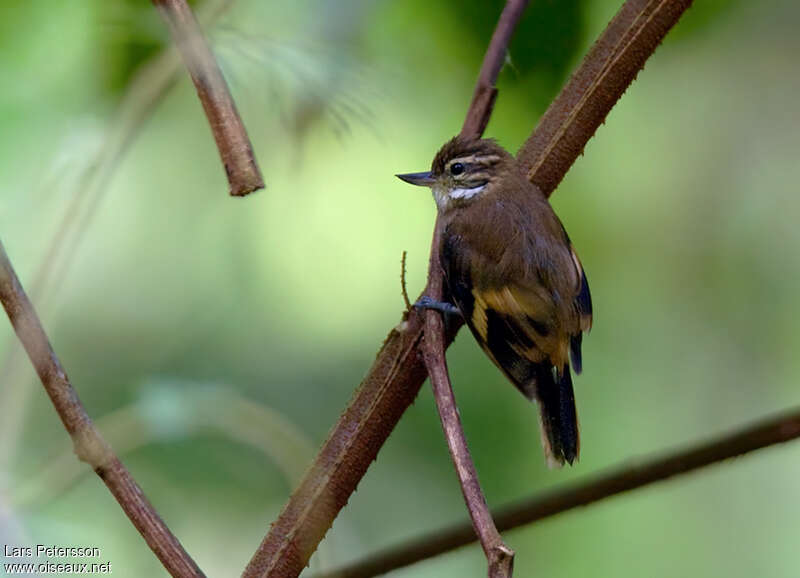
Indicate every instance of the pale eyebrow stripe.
{"type": "Point", "coordinates": [476, 159]}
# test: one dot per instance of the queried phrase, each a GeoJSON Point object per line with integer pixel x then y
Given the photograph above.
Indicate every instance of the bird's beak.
{"type": "Point", "coordinates": [421, 179]}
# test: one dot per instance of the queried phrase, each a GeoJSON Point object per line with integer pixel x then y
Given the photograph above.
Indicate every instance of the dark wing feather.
{"type": "Point", "coordinates": [583, 304]}
{"type": "Point", "coordinates": [515, 324]}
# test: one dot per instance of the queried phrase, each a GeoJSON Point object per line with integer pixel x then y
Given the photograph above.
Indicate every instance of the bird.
{"type": "Point", "coordinates": [513, 275]}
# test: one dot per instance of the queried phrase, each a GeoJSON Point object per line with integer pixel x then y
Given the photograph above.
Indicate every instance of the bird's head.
{"type": "Point", "coordinates": [462, 171]}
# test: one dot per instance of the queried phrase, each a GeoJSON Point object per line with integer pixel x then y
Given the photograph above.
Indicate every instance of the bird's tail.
{"type": "Point", "coordinates": [558, 420]}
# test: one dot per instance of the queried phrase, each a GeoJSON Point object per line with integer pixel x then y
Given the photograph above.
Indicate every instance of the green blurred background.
{"type": "Point", "coordinates": [216, 340]}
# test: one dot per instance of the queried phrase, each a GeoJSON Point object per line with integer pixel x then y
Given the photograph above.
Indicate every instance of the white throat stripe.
{"type": "Point", "coordinates": [466, 193]}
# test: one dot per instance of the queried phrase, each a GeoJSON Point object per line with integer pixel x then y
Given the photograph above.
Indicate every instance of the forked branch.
{"type": "Point", "coordinates": [398, 371]}
{"type": "Point", "coordinates": [500, 557]}
{"type": "Point", "coordinates": [89, 445]}
{"type": "Point", "coordinates": [233, 143]}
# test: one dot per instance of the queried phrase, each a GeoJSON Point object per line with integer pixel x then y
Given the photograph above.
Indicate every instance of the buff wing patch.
{"type": "Point", "coordinates": [512, 326]}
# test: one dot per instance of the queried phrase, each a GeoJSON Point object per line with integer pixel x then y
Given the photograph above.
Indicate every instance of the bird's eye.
{"type": "Point", "coordinates": [456, 169]}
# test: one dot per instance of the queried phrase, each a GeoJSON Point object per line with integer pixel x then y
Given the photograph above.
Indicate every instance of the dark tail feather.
{"type": "Point", "coordinates": [559, 419]}
{"type": "Point", "coordinates": [575, 352]}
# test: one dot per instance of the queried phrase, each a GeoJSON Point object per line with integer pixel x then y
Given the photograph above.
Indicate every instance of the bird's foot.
{"type": "Point", "coordinates": [426, 302]}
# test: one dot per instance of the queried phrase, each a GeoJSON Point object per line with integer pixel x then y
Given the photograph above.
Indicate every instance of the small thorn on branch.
{"type": "Point", "coordinates": [403, 281]}
{"type": "Point", "coordinates": [230, 135]}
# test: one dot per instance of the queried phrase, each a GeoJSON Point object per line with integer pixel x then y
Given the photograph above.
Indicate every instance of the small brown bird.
{"type": "Point", "coordinates": [514, 277]}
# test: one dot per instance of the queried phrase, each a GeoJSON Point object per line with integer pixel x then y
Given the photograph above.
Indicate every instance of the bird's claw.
{"type": "Point", "coordinates": [426, 302]}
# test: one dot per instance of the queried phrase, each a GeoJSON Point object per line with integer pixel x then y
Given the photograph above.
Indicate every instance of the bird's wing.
{"type": "Point", "coordinates": [522, 314]}
{"type": "Point", "coordinates": [582, 303]}
{"type": "Point", "coordinates": [583, 297]}
{"type": "Point", "coordinates": [509, 321]}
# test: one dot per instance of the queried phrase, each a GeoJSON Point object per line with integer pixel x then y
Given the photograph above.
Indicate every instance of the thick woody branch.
{"type": "Point", "coordinates": [398, 371]}
{"type": "Point", "coordinates": [233, 143]}
{"type": "Point", "coordinates": [89, 445]}
{"type": "Point", "coordinates": [606, 72]}
{"type": "Point", "coordinates": [377, 405]}
{"type": "Point", "coordinates": [621, 479]}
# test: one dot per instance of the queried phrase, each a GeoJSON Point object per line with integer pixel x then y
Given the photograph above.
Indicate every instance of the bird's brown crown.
{"type": "Point", "coordinates": [463, 171]}
{"type": "Point", "coordinates": [462, 149]}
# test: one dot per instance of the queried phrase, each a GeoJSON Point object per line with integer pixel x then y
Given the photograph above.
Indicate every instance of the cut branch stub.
{"type": "Point", "coordinates": [229, 133]}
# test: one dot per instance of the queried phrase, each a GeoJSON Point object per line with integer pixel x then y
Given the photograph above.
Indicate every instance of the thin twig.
{"type": "Point", "coordinates": [387, 390]}
{"type": "Point", "coordinates": [480, 109]}
{"type": "Point", "coordinates": [403, 287]}
{"type": "Point", "coordinates": [499, 556]}
{"type": "Point", "coordinates": [606, 72]}
{"type": "Point", "coordinates": [233, 143]}
{"type": "Point", "coordinates": [89, 445]}
{"type": "Point", "coordinates": [620, 479]}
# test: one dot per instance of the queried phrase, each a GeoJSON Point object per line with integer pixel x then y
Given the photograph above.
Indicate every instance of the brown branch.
{"type": "Point", "coordinates": [89, 445]}
{"type": "Point", "coordinates": [618, 480]}
{"type": "Point", "coordinates": [606, 72]}
{"type": "Point", "coordinates": [233, 143]}
{"type": "Point", "coordinates": [499, 556]}
{"type": "Point", "coordinates": [389, 388]}
{"type": "Point", "coordinates": [398, 372]}
{"type": "Point", "coordinates": [480, 109]}
{"type": "Point", "coordinates": [377, 405]}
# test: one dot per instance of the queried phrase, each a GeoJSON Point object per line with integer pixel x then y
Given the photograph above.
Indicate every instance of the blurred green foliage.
{"type": "Point", "coordinates": [683, 210]}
